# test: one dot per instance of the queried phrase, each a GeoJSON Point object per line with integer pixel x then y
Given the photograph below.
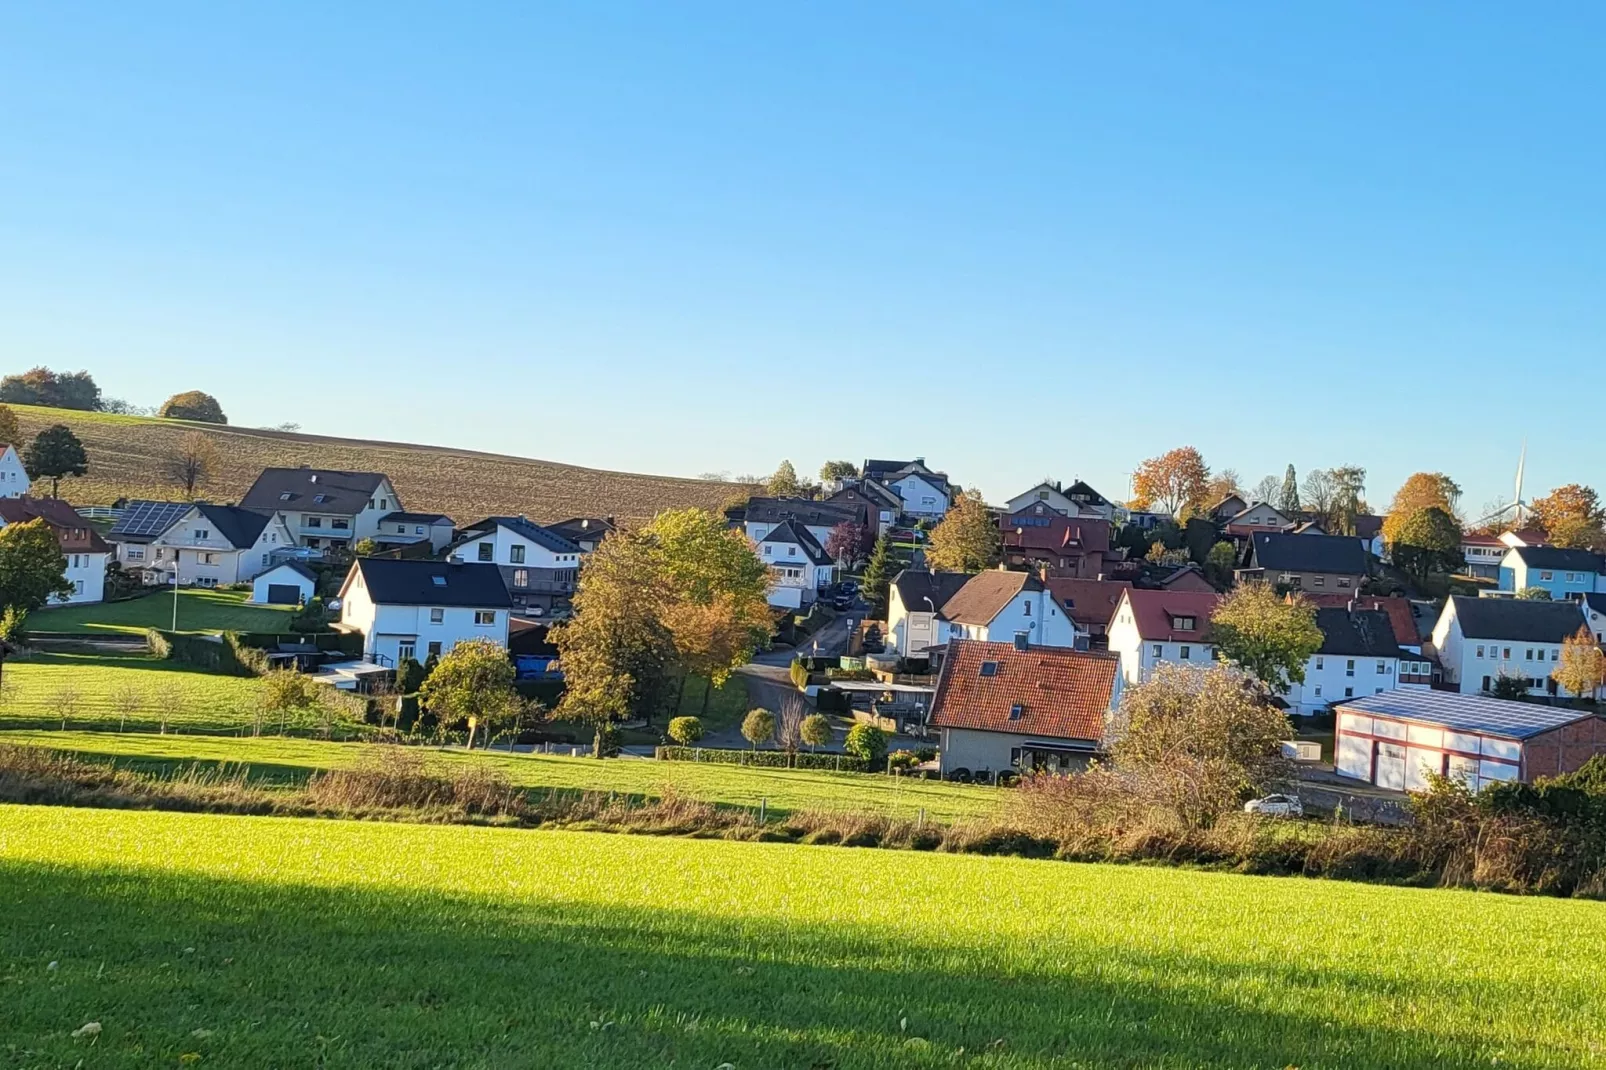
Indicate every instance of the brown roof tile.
{"type": "Point", "coordinates": [73, 532]}
{"type": "Point", "coordinates": [1156, 611]}
{"type": "Point", "coordinates": [985, 594]}
{"type": "Point", "coordinates": [1090, 603]}
{"type": "Point", "coordinates": [1061, 693]}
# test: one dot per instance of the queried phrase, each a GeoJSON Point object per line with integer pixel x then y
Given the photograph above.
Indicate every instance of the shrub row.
{"type": "Point", "coordinates": [765, 759]}
{"type": "Point", "coordinates": [225, 654]}
{"type": "Point", "coordinates": [335, 642]}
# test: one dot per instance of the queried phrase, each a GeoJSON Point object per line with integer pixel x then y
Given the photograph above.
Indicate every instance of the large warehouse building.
{"type": "Point", "coordinates": [1396, 739]}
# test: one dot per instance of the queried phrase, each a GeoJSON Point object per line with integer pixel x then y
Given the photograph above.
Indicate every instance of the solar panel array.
{"type": "Point", "coordinates": [149, 519]}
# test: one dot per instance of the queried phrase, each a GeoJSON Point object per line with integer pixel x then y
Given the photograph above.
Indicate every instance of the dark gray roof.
{"type": "Point", "coordinates": [1554, 557]}
{"type": "Point", "coordinates": [806, 510]}
{"type": "Point", "coordinates": [344, 493]}
{"type": "Point", "coordinates": [792, 531]}
{"type": "Point", "coordinates": [520, 526]}
{"type": "Point", "coordinates": [874, 469]}
{"type": "Point", "coordinates": [294, 566]}
{"type": "Point", "coordinates": [395, 582]}
{"type": "Point", "coordinates": [1365, 633]}
{"type": "Point", "coordinates": [414, 518]}
{"type": "Point", "coordinates": [870, 490]}
{"type": "Point", "coordinates": [143, 520]}
{"type": "Point", "coordinates": [1080, 491]}
{"type": "Point", "coordinates": [1596, 602]}
{"type": "Point", "coordinates": [1467, 713]}
{"type": "Point", "coordinates": [1339, 554]}
{"type": "Point", "coordinates": [916, 585]}
{"type": "Point", "coordinates": [582, 527]}
{"type": "Point", "coordinates": [1516, 620]}
{"type": "Point", "coordinates": [240, 526]}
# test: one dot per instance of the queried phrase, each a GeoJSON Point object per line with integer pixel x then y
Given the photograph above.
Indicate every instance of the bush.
{"type": "Point", "coordinates": [227, 655]}
{"type": "Point", "coordinates": [764, 759]}
{"type": "Point", "coordinates": [926, 754]}
{"type": "Point", "coordinates": [686, 730]}
{"type": "Point", "coordinates": [799, 673]}
{"type": "Point", "coordinates": [867, 742]}
{"type": "Point", "coordinates": [902, 759]}
{"type": "Point", "coordinates": [815, 730]}
{"type": "Point", "coordinates": [758, 727]}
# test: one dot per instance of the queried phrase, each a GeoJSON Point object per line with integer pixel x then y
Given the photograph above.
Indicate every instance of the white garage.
{"type": "Point", "coordinates": [288, 584]}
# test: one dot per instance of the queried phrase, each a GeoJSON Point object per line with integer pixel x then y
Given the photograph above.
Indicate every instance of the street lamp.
{"type": "Point", "coordinates": [933, 606]}
{"type": "Point", "coordinates": [175, 592]}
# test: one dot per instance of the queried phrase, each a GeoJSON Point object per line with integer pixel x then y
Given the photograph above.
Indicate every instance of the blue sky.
{"type": "Point", "coordinates": [1020, 240]}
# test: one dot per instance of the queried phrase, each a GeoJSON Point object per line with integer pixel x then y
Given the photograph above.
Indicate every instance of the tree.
{"type": "Point", "coordinates": [365, 547]}
{"type": "Point", "coordinates": [410, 676]}
{"type": "Point", "coordinates": [1270, 637]}
{"type": "Point", "coordinates": [1423, 490]}
{"type": "Point", "coordinates": [1427, 541]}
{"type": "Point", "coordinates": [286, 692]}
{"type": "Point", "coordinates": [838, 470]}
{"type": "Point", "coordinates": [848, 542]}
{"type": "Point", "coordinates": [1199, 741]}
{"type": "Point", "coordinates": [193, 405]}
{"type": "Point", "coordinates": [55, 454]}
{"type": "Point", "coordinates": [1266, 490]}
{"type": "Point", "coordinates": [1220, 563]}
{"type": "Point", "coordinates": [967, 540]}
{"type": "Point", "coordinates": [686, 730]}
{"type": "Point", "coordinates": [41, 386]}
{"type": "Point", "coordinates": [1288, 497]}
{"type": "Point", "coordinates": [1510, 687]}
{"type": "Point", "coordinates": [1320, 496]}
{"type": "Point", "coordinates": [866, 741]}
{"type": "Point", "coordinates": [758, 727]}
{"type": "Point", "coordinates": [32, 567]}
{"type": "Point", "coordinates": [784, 483]}
{"type": "Point", "coordinates": [1534, 594]}
{"type": "Point", "coordinates": [1574, 501]}
{"type": "Point", "coordinates": [10, 432]}
{"type": "Point", "coordinates": [1350, 498]}
{"type": "Point", "coordinates": [1578, 533]}
{"type": "Point", "coordinates": [878, 576]}
{"type": "Point", "coordinates": [815, 730]}
{"type": "Point", "coordinates": [1223, 485]}
{"type": "Point", "coordinates": [192, 462]}
{"type": "Point", "coordinates": [1582, 669]}
{"type": "Point", "coordinates": [1176, 480]}
{"type": "Point", "coordinates": [474, 683]}
{"type": "Point", "coordinates": [789, 726]}
{"type": "Point", "coordinates": [127, 700]}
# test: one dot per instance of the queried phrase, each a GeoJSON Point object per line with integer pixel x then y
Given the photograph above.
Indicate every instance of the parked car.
{"type": "Point", "coordinates": [850, 587]}
{"type": "Point", "coordinates": [1276, 806]}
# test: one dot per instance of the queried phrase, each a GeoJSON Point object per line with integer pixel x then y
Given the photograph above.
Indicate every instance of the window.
{"type": "Point", "coordinates": [1318, 581]}
{"type": "Point", "coordinates": [1349, 667]}
{"type": "Point", "coordinates": [989, 668]}
{"type": "Point", "coordinates": [419, 530]}
{"type": "Point", "coordinates": [767, 549]}
{"type": "Point", "coordinates": [1486, 683]}
{"type": "Point", "coordinates": [1547, 575]}
{"type": "Point", "coordinates": [484, 618]}
{"type": "Point", "coordinates": [1015, 711]}
{"type": "Point", "coordinates": [1528, 655]}
{"type": "Point", "coordinates": [1349, 692]}
{"type": "Point", "coordinates": [314, 521]}
{"type": "Point", "coordinates": [209, 559]}
{"type": "Point", "coordinates": [1183, 624]}
{"type": "Point", "coordinates": [319, 499]}
{"type": "Point", "coordinates": [1382, 668]}
{"type": "Point", "coordinates": [264, 559]}
{"type": "Point", "coordinates": [384, 503]}
{"type": "Point", "coordinates": [521, 577]}
{"type": "Point", "coordinates": [791, 551]}
{"type": "Point", "coordinates": [286, 496]}
{"type": "Point", "coordinates": [1318, 690]}
{"type": "Point", "coordinates": [1555, 655]}
{"type": "Point", "coordinates": [136, 553]}
{"type": "Point", "coordinates": [437, 615]}
{"type": "Point", "coordinates": [1320, 662]}
{"type": "Point", "coordinates": [1507, 653]}
{"type": "Point", "coordinates": [1186, 653]}
{"type": "Point", "coordinates": [438, 580]}
{"type": "Point", "coordinates": [485, 551]}
{"type": "Point", "coordinates": [1480, 652]}
{"type": "Point", "coordinates": [1377, 691]}
{"type": "Point", "coordinates": [77, 586]}
{"type": "Point", "coordinates": [405, 650]}
{"type": "Point", "coordinates": [1028, 610]}
{"type": "Point", "coordinates": [340, 525]}
{"type": "Point", "coordinates": [202, 534]}
{"type": "Point", "coordinates": [1343, 582]}
{"type": "Point", "coordinates": [515, 553]}
{"type": "Point", "coordinates": [401, 529]}
{"type": "Point", "coordinates": [434, 649]}
{"type": "Point", "coordinates": [1157, 650]}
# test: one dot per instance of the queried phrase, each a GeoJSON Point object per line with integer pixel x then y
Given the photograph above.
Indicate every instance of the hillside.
{"type": "Point", "coordinates": [126, 455]}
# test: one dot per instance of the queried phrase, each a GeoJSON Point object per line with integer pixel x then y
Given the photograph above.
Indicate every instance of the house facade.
{"type": "Point", "coordinates": [1305, 562]}
{"type": "Point", "coordinates": [926, 610]}
{"type": "Point", "coordinates": [799, 566]}
{"type": "Point", "coordinates": [1089, 603]}
{"type": "Point", "coordinates": [1566, 574]}
{"type": "Point", "coordinates": [762, 515]}
{"type": "Point", "coordinates": [209, 546]}
{"type": "Point", "coordinates": [14, 481]}
{"type": "Point", "coordinates": [288, 583]}
{"type": "Point", "coordinates": [880, 504]}
{"type": "Point", "coordinates": [1153, 628]}
{"type": "Point", "coordinates": [1482, 554]}
{"type": "Point", "coordinates": [85, 551]}
{"type": "Point", "coordinates": [1479, 640]}
{"type": "Point", "coordinates": [1039, 538]}
{"type": "Point", "coordinates": [1359, 656]}
{"type": "Point", "coordinates": [323, 508]}
{"type": "Point", "coordinates": [1017, 707]}
{"type": "Point", "coordinates": [539, 569]}
{"type": "Point", "coordinates": [406, 529]}
{"type": "Point", "coordinates": [1049, 495]}
{"type": "Point", "coordinates": [413, 609]}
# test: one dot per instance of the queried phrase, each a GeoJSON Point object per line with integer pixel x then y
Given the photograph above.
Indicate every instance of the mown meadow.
{"type": "Point", "coordinates": [136, 691]}
{"type": "Point", "coordinates": [176, 939]}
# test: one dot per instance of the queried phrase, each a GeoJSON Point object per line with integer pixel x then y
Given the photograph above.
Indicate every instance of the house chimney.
{"type": "Point", "coordinates": [313, 478]}
{"type": "Point", "coordinates": [455, 559]}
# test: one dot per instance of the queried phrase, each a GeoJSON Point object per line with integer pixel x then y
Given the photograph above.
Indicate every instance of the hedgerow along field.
{"type": "Point", "coordinates": [127, 455]}
{"type": "Point", "coordinates": [200, 609]}
{"type": "Point", "coordinates": [290, 761]}
{"type": "Point", "coordinates": [108, 690]}
{"type": "Point", "coordinates": [207, 940]}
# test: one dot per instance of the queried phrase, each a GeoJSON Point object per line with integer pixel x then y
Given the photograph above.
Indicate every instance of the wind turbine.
{"type": "Point", "coordinates": [1517, 509]}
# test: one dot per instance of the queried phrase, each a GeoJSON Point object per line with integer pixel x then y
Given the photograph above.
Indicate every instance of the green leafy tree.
{"type": "Point", "coordinates": [1268, 636]}
{"type": "Point", "coordinates": [815, 730]}
{"type": "Point", "coordinates": [784, 482]}
{"type": "Point", "coordinates": [410, 676]}
{"type": "Point", "coordinates": [758, 727]}
{"type": "Point", "coordinates": [10, 431]}
{"type": "Point", "coordinates": [288, 693]}
{"type": "Point", "coordinates": [55, 454]}
{"type": "Point", "coordinates": [1510, 687]}
{"type": "Point", "coordinates": [1426, 542]}
{"type": "Point", "coordinates": [1288, 498]}
{"type": "Point", "coordinates": [1534, 594]}
{"type": "Point", "coordinates": [1220, 564]}
{"type": "Point", "coordinates": [365, 547]}
{"type": "Point", "coordinates": [878, 576]}
{"type": "Point", "coordinates": [41, 386]}
{"type": "Point", "coordinates": [32, 567]}
{"type": "Point", "coordinates": [472, 683]}
{"type": "Point", "coordinates": [686, 730]}
{"type": "Point", "coordinates": [1578, 533]}
{"type": "Point", "coordinates": [967, 540]}
{"type": "Point", "coordinates": [193, 405]}
{"type": "Point", "coordinates": [868, 742]}
{"type": "Point", "coordinates": [832, 470]}
{"type": "Point", "coordinates": [1349, 483]}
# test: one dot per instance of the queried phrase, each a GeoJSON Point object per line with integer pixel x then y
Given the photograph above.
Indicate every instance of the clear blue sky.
{"type": "Point", "coordinates": [1020, 240]}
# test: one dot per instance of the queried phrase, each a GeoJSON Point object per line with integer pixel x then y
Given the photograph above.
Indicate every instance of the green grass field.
{"type": "Point", "coordinates": [288, 761]}
{"type": "Point", "coordinates": [246, 942]}
{"type": "Point", "coordinates": [89, 690]}
{"type": "Point", "coordinates": [199, 610]}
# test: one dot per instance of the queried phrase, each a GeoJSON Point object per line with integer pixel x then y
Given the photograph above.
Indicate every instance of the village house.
{"type": "Point", "coordinates": [1409, 632]}
{"type": "Point", "coordinates": [210, 545]}
{"type": "Point", "coordinates": [414, 609]}
{"type": "Point", "coordinates": [925, 494]}
{"type": "Point", "coordinates": [926, 610]}
{"type": "Point", "coordinates": [1089, 603]}
{"type": "Point", "coordinates": [1565, 574]}
{"type": "Point", "coordinates": [86, 552]}
{"type": "Point", "coordinates": [324, 509]}
{"type": "Point", "coordinates": [1305, 562]}
{"type": "Point", "coordinates": [880, 503]}
{"type": "Point", "coordinates": [1252, 520]}
{"type": "Point", "coordinates": [1152, 628]}
{"type": "Point", "coordinates": [799, 566]}
{"type": "Point", "coordinates": [288, 583]}
{"type": "Point", "coordinates": [1482, 554]}
{"type": "Point", "coordinates": [1479, 640]}
{"type": "Point", "coordinates": [1039, 538]}
{"type": "Point", "coordinates": [539, 568]}
{"type": "Point", "coordinates": [760, 516]}
{"type": "Point", "coordinates": [1359, 655]}
{"type": "Point", "coordinates": [586, 532]}
{"type": "Point", "coordinates": [1019, 707]}
{"type": "Point", "coordinates": [14, 481]}
{"type": "Point", "coordinates": [1089, 502]}
{"type": "Point", "coordinates": [407, 529]}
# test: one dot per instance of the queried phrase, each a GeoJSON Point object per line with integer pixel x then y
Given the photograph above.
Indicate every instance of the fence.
{"type": "Point", "coordinates": [765, 759]}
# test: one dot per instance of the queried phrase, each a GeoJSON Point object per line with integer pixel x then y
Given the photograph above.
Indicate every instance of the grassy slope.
{"type": "Point", "coordinates": [291, 760]}
{"type": "Point", "coordinates": [35, 690]}
{"type": "Point", "coordinates": [126, 455]}
{"type": "Point", "coordinates": [271, 942]}
{"type": "Point", "coordinates": [199, 610]}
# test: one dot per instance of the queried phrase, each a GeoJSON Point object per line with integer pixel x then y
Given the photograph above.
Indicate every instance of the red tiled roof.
{"type": "Point", "coordinates": [1401, 618]}
{"type": "Point", "coordinates": [1090, 603]}
{"type": "Point", "coordinates": [986, 594]}
{"type": "Point", "coordinates": [1086, 534]}
{"type": "Point", "coordinates": [1062, 693]}
{"type": "Point", "coordinates": [73, 532]}
{"type": "Point", "coordinates": [1472, 538]}
{"type": "Point", "coordinates": [1154, 611]}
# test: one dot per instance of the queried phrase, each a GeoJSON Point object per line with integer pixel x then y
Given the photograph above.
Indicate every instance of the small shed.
{"type": "Point", "coordinates": [1398, 738]}
{"type": "Point", "coordinates": [289, 584]}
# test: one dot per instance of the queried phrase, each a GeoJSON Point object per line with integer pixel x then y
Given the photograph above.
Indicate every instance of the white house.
{"type": "Point", "coordinates": [1359, 655]}
{"type": "Point", "coordinates": [799, 565]}
{"type": "Point", "coordinates": [86, 552]}
{"type": "Point", "coordinates": [1048, 495]}
{"type": "Point", "coordinates": [412, 609]}
{"type": "Point", "coordinates": [540, 568]}
{"type": "Point", "coordinates": [762, 515]}
{"type": "Point", "coordinates": [930, 609]}
{"type": "Point", "coordinates": [924, 498]}
{"type": "Point", "coordinates": [1479, 640]}
{"type": "Point", "coordinates": [1151, 628]}
{"type": "Point", "coordinates": [14, 481]}
{"type": "Point", "coordinates": [287, 584]}
{"type": "Point", "coordinates": [404, 529]}
{"type": "Point", "coordinates": [1482, 554]}
{"type": "Point", "coordinates": [211, 545]}
{"type": "Point", "coordinates": [324, 508]}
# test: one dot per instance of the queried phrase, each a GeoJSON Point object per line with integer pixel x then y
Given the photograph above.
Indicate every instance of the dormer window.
{"type": "Point", "coordinates": [1182, 624]}
{"type": "Point", "coordinates": [319, 499]}
{"type": "Point", "coordinates": [1015, 711]}
{"type": "Point", "coordinates": [286, 496]}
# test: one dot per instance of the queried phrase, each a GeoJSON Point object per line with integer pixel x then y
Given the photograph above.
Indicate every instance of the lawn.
{"type": "Point", "coordinates": [206, 940]}
{"type": "Point", "coordinates": [199, 610]}
{"type": "Point", "coordinates": [273, 759]}
{"type": "Point", "coordinates": [94, 690]}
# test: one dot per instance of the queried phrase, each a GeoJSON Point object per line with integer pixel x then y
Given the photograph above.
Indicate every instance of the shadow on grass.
{"type": "Point", "coordinates": [255, 974]}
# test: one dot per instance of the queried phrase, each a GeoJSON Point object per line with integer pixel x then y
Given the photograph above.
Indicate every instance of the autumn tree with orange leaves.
{"type": "Point", "coordinates": [1176, 481]}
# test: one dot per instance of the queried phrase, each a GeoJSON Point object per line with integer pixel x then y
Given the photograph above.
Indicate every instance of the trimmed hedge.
{"type": "Point", "coordinates": [341, 642]}
{"type": "Point", "coordinates": [224, 654]}
{"type": "Point", "coordinates": [764, 759]}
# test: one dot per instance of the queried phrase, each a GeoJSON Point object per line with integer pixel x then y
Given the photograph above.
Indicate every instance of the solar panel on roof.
{"type": "Point", "coordinates": [144, 518]}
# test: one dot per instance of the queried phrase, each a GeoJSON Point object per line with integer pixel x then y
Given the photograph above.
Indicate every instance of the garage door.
{"type": "Point", "coordinates": [283, 594]}
{"type": "Point", "coordinates": [1390, 766]}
